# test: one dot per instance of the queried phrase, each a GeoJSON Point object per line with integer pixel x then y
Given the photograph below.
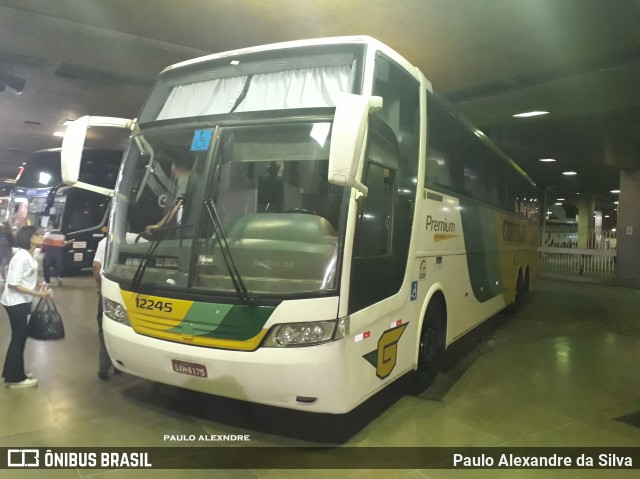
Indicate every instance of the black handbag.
{"type": "Point", "coordinates": [45, 322]}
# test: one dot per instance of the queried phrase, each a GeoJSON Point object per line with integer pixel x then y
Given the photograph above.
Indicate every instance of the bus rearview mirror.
{"type": "Point", "coordinates": [347, 138]}
{"type": "Point", "coordinates": [73, 146]}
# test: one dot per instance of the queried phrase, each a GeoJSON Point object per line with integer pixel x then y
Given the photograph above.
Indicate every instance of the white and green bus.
{"type": "Point", "coordinates": [301, 224]}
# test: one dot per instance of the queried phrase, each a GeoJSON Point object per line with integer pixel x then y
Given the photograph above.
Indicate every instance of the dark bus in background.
{"type": "Point", "coordinates": [40, 198]}
{"type": "Point", "coordinates": [4, 208]}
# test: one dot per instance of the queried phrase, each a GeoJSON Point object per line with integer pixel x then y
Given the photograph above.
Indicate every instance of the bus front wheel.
{"type": "Point", "coordinates": [431, 349]}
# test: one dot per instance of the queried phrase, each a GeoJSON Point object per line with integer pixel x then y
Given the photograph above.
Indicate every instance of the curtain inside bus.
{"type": "Point", "coordinates": [302, 88]}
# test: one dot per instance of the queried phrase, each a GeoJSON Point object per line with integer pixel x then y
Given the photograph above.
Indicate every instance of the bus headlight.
{"type": "Point", "coordinates": [306, 334]}
{"type": "Point", "coordinates": [115, 311]}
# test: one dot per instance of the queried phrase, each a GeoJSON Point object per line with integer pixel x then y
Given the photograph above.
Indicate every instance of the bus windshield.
{"type": "Point", "coordinates": [277, 219]}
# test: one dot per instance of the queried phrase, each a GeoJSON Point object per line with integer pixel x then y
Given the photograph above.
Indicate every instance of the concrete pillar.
{"type": "Point", "coordinates": [628, 228]}
{"type": "Point", "coordinates": [597, 229]}
{"type": "Point", "coordinates": [586, 208]}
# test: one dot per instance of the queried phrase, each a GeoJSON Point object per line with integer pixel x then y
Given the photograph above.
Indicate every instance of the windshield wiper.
{"type": "Point", "coordinates": [142, 266]}
{"type": "Point", "coordinates": [236, 278]}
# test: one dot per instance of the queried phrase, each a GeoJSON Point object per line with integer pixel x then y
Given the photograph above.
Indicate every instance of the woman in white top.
{"type": "Point", "coordinates": [20, 289]}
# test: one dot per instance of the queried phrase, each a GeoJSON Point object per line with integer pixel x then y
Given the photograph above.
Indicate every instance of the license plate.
{"type": "Point", "coordinates": [191, 369]}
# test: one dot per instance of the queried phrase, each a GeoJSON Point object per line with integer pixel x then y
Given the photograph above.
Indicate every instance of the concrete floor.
{"type": "Point", "coordinates": [557, 374]}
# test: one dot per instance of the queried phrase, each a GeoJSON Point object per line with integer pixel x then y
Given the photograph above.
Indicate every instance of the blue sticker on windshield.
{"type": "Point", "coordinates": [201, 140]}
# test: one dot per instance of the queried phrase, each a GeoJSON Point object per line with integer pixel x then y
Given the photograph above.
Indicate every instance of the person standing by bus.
{"type": "Point", "coordinates": [6, 245]}
{"type": "Point", "coordinates": [22, 279]}
{"type": "Point", "coordinates": [54, 243]}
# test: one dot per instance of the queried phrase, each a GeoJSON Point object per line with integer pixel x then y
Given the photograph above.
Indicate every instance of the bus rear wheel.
{"type": "Point", "coordinates": [431, 350]}
{"type": "Point", "coordinates": [514, 307]}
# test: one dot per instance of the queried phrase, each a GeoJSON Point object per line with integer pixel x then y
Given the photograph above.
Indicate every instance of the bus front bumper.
{"type": "Point", "coordinates": [310, 378]}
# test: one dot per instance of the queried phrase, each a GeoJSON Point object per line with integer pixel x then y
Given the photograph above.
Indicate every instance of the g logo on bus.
{"type": "Point", "coordinates": [385, 357]}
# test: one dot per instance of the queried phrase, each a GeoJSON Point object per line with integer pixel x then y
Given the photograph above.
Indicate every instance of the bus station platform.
{"type": "Point", "coordinates": [563, 372]}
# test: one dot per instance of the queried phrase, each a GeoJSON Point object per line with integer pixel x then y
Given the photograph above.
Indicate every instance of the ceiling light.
{"type": "Point", "coordinates": [527, 114]}
{"type": "Point", "coordinates": [558, 204]}
{"type": "Point", "coordinates": [560, 199]}
{"type": "Point", "coordinates": [616, 202]}
{"type": "Point", "coordinates": [234, 62]}
{"type": "Point", "coordinates": [58, 133]}
{"type": "Point", "coordinates": [606, 216]}
{"type": "Point", "coordinates": [547, 160]}
{"type": "Point", "coordinates": [569, 173]}
{"type": "Point", "coordinates": [615, 191]}
{"type": "Point", "coordinates": [67, 122]}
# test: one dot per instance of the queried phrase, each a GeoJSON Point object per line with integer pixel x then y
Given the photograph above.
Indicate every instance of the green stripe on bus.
{"type": "Point", "coordinates": [481, 244]}
{"type": "Point", "coordinates": [224, 321]}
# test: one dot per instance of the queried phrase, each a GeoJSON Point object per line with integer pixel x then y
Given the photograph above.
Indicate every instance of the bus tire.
{"type": "Point", "coordinates": [514, 307]}
{"type": "Point", "coordinates": [431, 349]}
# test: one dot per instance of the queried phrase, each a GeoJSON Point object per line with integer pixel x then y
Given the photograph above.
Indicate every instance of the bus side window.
{"type": "Point", "coordinates": [475, 168]}
{"type": "Point", "coordinates": [374, 228]}
{"type": "Point", "coordinates": [444, 166]}
{"type": "Point", "coordinates": [383, 233]}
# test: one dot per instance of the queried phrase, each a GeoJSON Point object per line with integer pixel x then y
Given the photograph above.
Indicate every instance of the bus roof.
{"type": "Point", "coordinates": [345, 40]}
{"type": "Point", "coordinates": [362, 40]}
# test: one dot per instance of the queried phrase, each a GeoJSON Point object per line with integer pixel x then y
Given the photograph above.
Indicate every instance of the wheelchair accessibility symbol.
{"type": "Point", "coordinates": [414, 290]}
{"type": "Point", "coordinates": [201, 140]}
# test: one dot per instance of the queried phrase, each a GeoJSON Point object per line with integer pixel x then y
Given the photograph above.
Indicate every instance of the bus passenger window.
{"type": "Point", "coordinates": [444, 167]}
{"type": "Point", "coordinates": [475, 180]}
{"type": "Point", "coordinates": [437, 170]}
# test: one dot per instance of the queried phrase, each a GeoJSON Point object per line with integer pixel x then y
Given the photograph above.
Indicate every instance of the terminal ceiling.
{"type": "Point", "coordinates": [577, 59]}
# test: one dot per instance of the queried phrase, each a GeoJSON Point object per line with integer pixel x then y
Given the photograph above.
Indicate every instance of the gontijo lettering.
{"type": "Point", "coordinates": [512, 231]}
{"type": "Point", "coordinates": [440, 225]}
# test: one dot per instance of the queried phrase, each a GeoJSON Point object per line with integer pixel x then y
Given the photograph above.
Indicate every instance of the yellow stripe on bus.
{"type": "Point", "coordinates": [441, 237]}
{"type": "Point", "coordinates": [248, 345]}
{"type": "Point", "coordinates": [167, 312]}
